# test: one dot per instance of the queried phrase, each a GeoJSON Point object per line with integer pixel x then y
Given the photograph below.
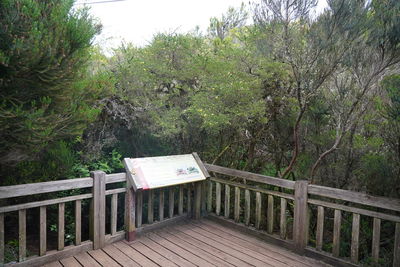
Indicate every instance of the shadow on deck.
{"type": "Point", "coordinates": [191, 243]}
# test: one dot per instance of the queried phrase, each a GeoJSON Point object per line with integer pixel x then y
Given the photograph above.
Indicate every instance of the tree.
{"type": "Point", "coordinates": [234, 18]}
{"type": "Point", "coordinates": [389, 107]}
{"type": "Point", "coordinates": [44, 48]}
{"type": "Point", "coordinates": [374, 54]}
{"type": "Point", "coordinates": [306, 46]}
{"type": "Point", "coordinates": [351, 45]}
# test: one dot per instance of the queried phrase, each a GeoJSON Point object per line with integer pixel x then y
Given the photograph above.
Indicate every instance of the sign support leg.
{"type": "Point", "coordinates": [130, 208]}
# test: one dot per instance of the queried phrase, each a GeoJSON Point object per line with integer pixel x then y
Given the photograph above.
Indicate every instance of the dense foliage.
{"type": "Point", "coordinates": [46, 94]}
{"type": "Point", "coordinates": [293, 94]}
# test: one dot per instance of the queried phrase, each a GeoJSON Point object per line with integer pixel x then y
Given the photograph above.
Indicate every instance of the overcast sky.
{"type": "Point", "coordinates": [137, 21]}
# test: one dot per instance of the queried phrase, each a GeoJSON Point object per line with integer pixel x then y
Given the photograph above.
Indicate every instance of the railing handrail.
{"type": "Point", "coordinates": [55, 186]}
{"type": "Point", "coordinates": [42, 203]}
{"type": "Point", "coordinates": [251, 176]}
{"type": "Point", "coordinates": [355, 197]}
{"type": "Point", "coordinates": [44, 187]}
{"type": "Point", "coordinates": [323, 191]}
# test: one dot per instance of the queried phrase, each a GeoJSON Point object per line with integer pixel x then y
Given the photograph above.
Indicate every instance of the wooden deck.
{"type": "Point", "coordinates": [192, 243]}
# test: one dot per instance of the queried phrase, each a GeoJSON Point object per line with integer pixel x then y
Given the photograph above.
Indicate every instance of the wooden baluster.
{"type": "Point", "coordinates": [171, 202]}
{"type": "Point", "coordinates": [336, 233]}
{"type": "Point", "coordinates": [139, 208]}
{"type": "Point", "coordinates": [22, 234]}
{"type": "Point", "coordinates": [258, 210]}
{"type": "Point", "coordinates": [209, 196]}
{"type": "Point", "coordinates": [247, 207]}
{"type": "Point", "coordinates": [42, 231]}
{"type": "Point", "coordinates": [282, 226]}
{"type": "Point", "coordinates": [307, 237]}
{"type": "Point", "coordinates": [227, 200]}
{"type": "Point", "coordinates": [78, 222]}
{"type": "Point", "coordinates": [61, 224]}
{"type": "Point", "coordinates": [114, 209]}
{"type": "Point", "coordinates": [189, 200]}
{"type": "Point", "coordinates": [180, 200]}
{"type": "Point", "coordinates": [217, 198]}
{"type": "Point", "coordinates": [320, 228]}
{"type": "Point", "coordinates": [161, 205]}
{"type": "Point", "coordinates": [150, 210]}
{"type": "Point", "coordinates": [396, 250]}
{"type": "Point", "coordinates": [376, 236]}
{"type": "Point", "coordinates": [237, 204]}
{"type": "Point", "coordinates": [203, 197]}
{"type": "Point", "coordinates": [270, 214]}
{"type": "Point", "coordinates": [355, 232]}
{"type": "Point", "coordinates": [1, 238]}
{"type": "Point", "coordinates": [300, 215]}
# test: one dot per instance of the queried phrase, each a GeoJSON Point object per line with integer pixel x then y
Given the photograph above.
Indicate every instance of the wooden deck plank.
{"type": "Point", "coordinates": [165, 252]}
{"type": "Point", "coordinates": [236, 246]}
{"type": "Point", "coordinates": [153, 255]}
{"type": "Point", "coordinates": [53, 264]}
{"type": "Point", "coordinates": [119, 256]}
{"type": "Point", "coordinates": [191, 243]}
{"type": "Point", "coordinates": [193, 249]}
{"type": "Point", "coordinates": [203, 246]}
{"type": "Point", "coordinates": [262, 243]}
{"type": "Point", "coordinates": [178, 250]}
{"type": "Point", "coordinates": [70, 262]}
{"type": "Point", "coordinates": [275, 249]}
{"type": "Point", "coordinates": [221, 246]}
{"type": "Point", "coordinates": [86, 260]}
{"type": "Point", "coordinates": [103, 258]}
{"type": "Point", "coordinates": [133, 254]}
{"type": "Point", "coordinates": [251, 245]}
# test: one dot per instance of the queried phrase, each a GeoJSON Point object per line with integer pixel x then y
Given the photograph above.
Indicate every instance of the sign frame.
{"type": "Point", "coordinates": [131, 178]}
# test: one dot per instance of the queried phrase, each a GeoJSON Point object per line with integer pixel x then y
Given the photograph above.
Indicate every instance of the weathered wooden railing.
{"type": "Point", "coordinates": [296, 201]}
{"type": "Point", "coordinates": [231, 196]}
{"type": "Point", "coordinates": [187, 203]}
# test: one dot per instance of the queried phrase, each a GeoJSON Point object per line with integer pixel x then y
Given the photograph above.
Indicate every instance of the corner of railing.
{"type": "Point", "coordinates": [300, 215]}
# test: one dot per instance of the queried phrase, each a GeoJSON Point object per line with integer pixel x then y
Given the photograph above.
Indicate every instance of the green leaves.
{"type": "Point", "coordinates": [44, 49]}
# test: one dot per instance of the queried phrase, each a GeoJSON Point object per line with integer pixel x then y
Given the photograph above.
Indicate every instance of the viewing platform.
{"type": "Point", "coordinates": [191, 243]}
{"type": "Point", "coordinates": [234, 218]}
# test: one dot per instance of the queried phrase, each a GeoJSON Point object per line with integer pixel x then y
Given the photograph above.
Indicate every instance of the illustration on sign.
{"type": "Point", "coordinates": [186, 171]}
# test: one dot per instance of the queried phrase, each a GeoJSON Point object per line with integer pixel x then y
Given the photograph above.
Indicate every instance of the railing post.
{"type": "Point", "coordinates": [300, 215]}
{"type": "Point", "coordinates": [130, 213]}
{"type": "Point", "coordinates": [98, 209]}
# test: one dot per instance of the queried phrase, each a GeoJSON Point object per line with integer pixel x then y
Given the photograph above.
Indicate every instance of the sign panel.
{"type": "Point", "coordinates": [156, 172]}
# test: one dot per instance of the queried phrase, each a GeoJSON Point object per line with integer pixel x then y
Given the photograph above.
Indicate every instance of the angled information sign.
{"type": "Point", "coordinates": [156, 172]}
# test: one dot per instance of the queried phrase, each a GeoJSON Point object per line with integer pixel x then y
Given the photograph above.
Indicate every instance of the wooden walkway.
{"type": "Point", "coordinates": [192, 243]}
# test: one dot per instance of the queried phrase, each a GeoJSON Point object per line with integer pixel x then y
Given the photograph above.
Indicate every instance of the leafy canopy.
{"type": "Point", "coordinates": [44, 48]}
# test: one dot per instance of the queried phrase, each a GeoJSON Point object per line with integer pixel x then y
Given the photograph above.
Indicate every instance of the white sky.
{"type": "Point", "coordinates": [136, 21]}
